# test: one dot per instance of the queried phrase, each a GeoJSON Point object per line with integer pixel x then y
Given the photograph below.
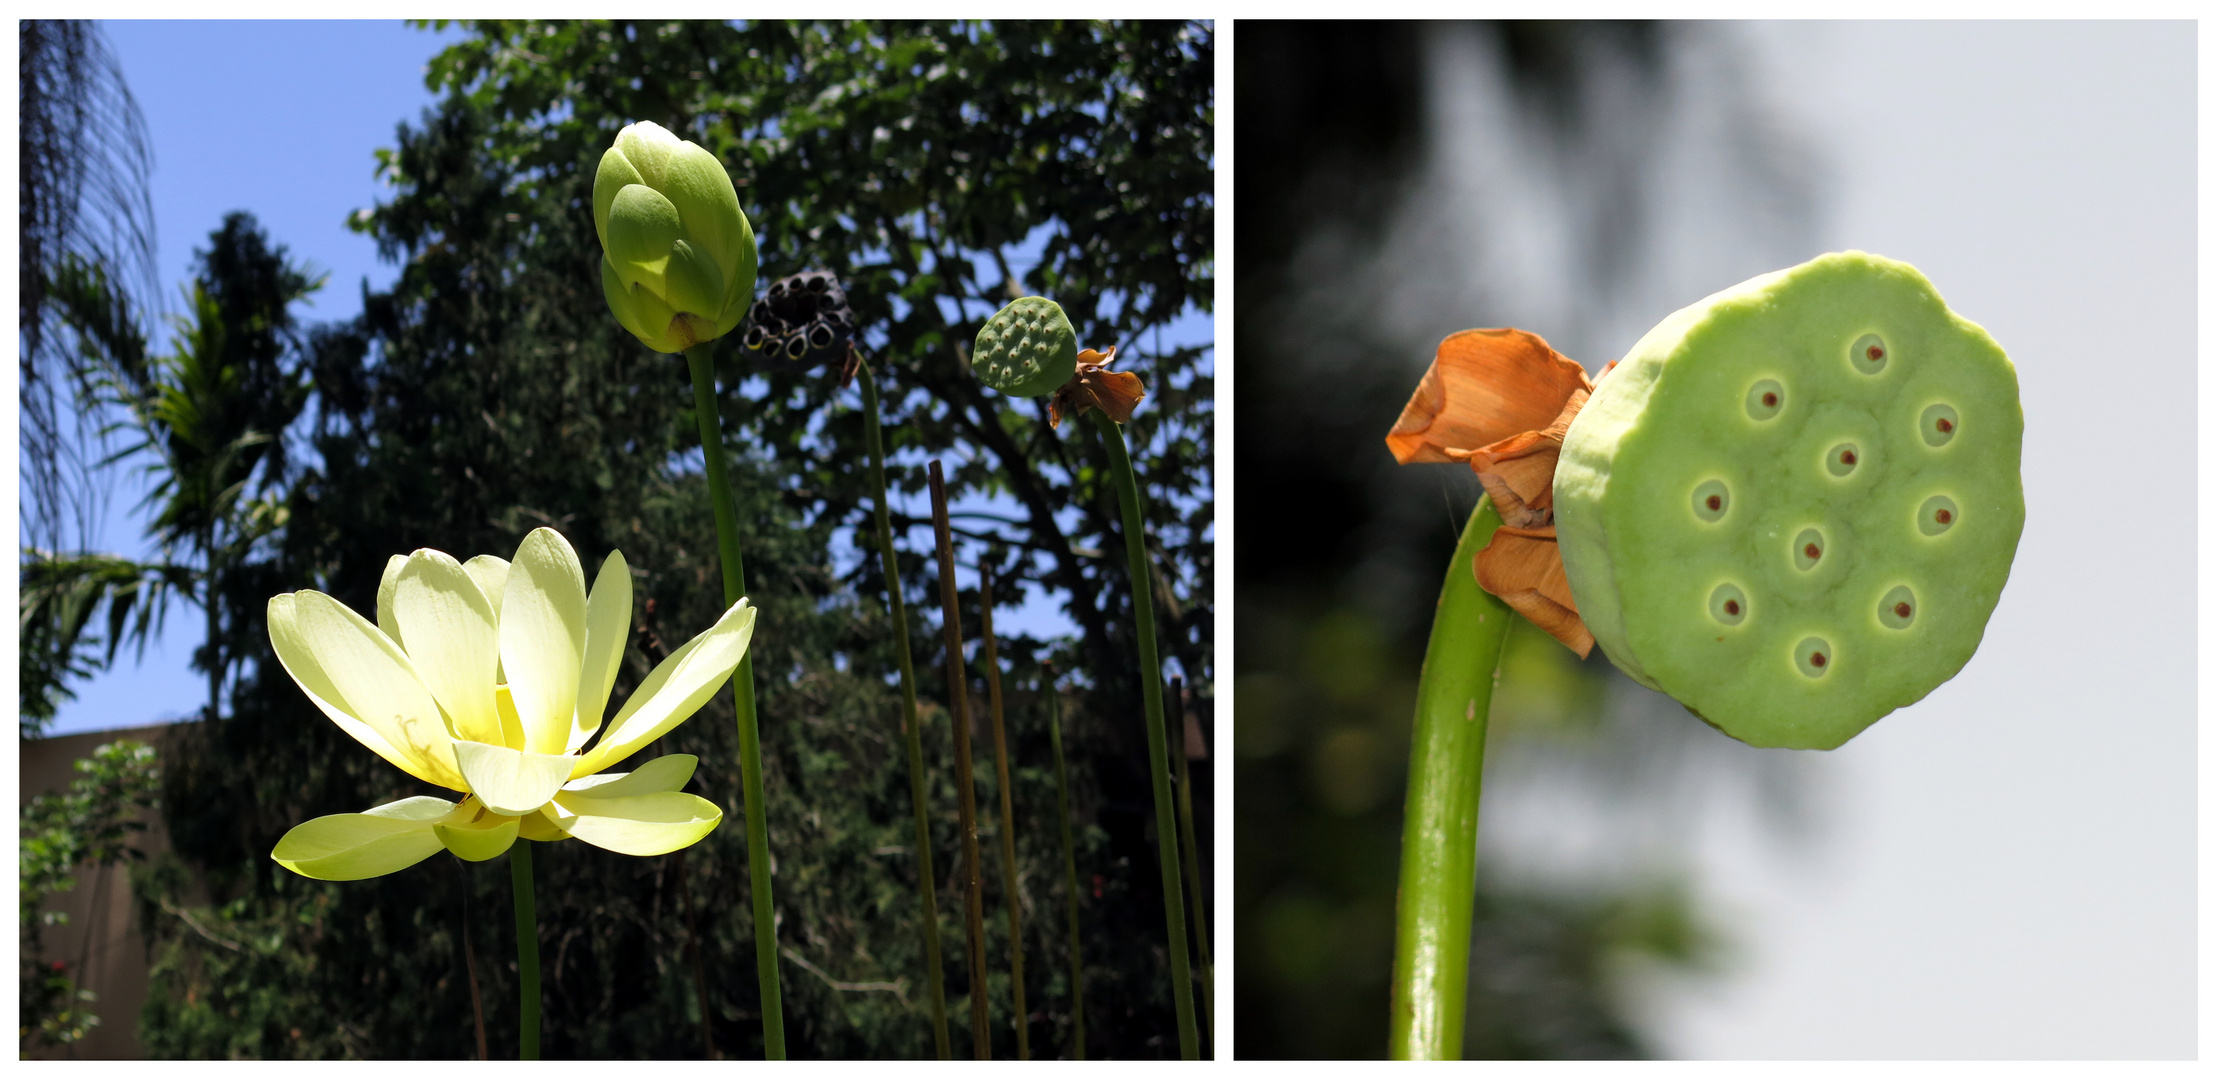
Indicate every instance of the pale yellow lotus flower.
{"type": "Point", "coordinates": [488, 678]}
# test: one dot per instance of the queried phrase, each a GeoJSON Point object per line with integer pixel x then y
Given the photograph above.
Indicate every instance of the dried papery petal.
{"type": "Point", "coordinates": [1483, 386]}
{"type": "Point", "coordinates": [1094, 386]}
{"type": "Point", "coordinates": [1524, 567]}
{"type": "Point", "coordinates": [1519, 472]}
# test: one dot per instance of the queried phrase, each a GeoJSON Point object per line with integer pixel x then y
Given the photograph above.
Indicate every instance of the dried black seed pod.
{"type": "Point", "coordinates": [802, 319]}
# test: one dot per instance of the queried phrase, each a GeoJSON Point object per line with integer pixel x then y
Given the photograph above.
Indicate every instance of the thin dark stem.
{"type": "Point", "coordinates": [469, 961]}
{"type": "Point", "coordinates": [1190, 852]}
{"type": "Point", "coordinates": [527, 952]}
{"type": "Point", "coordinates": [1151, 689]}
{"type": "Point", "coordinates": [700, 973]}
{"type": "Point", "coordinates": [1070, 864]}
{"type": "Point", "coordinates": [1440, 823]}
{"type": "Point", "coordinates": [974, 916]}
{"type": "Point", "coordinates": [1008, 814]}
{"type": "Point", "coordinates": [919, 787]}
{"type": "Point", "coordinates": [743, 697]}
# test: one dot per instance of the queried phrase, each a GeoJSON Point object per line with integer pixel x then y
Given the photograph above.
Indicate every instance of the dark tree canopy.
{"type": "Point", "coordinates": [933, 168]}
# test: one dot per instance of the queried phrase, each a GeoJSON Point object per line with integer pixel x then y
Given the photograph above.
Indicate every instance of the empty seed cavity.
{"type": "Point", "coordinates": [1938, 425]}
{"type": "Point", "coordinates": [1728, 604]}
{"type": "Point", "coordinates": [1936, 515]}
{"type": "Point", "coordinates": [1899, 608]}
{"type": "Point", "coordinates": [1869, 354]}
{"type": "Point", "coordinates": [1814, 656]}
{"type": "Point", "coordinates": [1711, 500]}
{"type": "Point", "coordinates": [1765, 399]}
{"type": "Point", "coordinates": [1841, 460]}
{"type": "Point", "coordinates": [1809, 547]}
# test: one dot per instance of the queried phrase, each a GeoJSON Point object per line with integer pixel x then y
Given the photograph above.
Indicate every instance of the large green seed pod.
{"type": "Point", "coordinates": [1027, 349]}
{"type": "Point", "coordinates": [1794, 504]}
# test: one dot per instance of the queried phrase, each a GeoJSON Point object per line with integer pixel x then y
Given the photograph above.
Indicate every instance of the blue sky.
{"type": "Point", "coordinates": [282, 119]}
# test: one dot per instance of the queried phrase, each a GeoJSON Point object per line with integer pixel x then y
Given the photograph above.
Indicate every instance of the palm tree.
{"type": "Point", "coordinates": [212, 413]}
{"type": "Point", "coordinates": [87, 229]}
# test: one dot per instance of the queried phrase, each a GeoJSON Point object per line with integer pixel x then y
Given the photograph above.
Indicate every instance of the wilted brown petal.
{"type": "Point", "coordinates": [1524, 567]}
{"type": "Point", "coordinates": [1519, 473]}
{"type": "Point", "coordinates": [1483, 386]}
{"type": "Point", "coordinates": [1094, 386]}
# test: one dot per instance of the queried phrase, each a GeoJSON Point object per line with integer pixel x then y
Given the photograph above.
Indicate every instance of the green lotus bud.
{"type": "Point", "coordinates": [1027, 349]}
{"type": "Point", "coordinates": [677, 256]}
{"type": "Point", "coordinates": [1794, 504]}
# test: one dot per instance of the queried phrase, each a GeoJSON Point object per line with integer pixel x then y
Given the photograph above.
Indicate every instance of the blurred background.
{"type": "Point", "coordinates": [2003, 870]}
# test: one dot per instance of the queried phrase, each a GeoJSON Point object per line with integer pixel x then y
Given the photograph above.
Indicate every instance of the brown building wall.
{"type": "Point", "coordinates": [101, 939]}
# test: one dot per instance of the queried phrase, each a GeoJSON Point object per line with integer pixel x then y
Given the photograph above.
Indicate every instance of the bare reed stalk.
{"type": "Point", "coordinates": [958, 697]}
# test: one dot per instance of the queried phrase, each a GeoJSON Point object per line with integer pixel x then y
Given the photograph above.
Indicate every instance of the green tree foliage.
{"type": "Point", "coordinates": [90, 825]}
{"type": "Point", "coordinates": [490, 392]}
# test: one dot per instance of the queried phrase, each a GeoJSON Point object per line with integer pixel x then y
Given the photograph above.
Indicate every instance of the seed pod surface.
{"type": "Point", "coordinates": [1027, 349]}
{"type": "Point", "coordinates": [1835, 453]}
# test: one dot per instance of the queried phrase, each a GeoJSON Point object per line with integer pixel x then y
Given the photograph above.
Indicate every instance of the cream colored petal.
{"type": "Point", "coordinates": [352, 669]}
{"type": "Point", "coordinates": [608, 619]}
{"type": "Point", "coordinates": [543, 638]}
{"type": "Point", "coordinates": [293, 653]}
{"type": "Point", "coordinates": [385, 583]}
{"type": "Point", "coordinates": [491, 574]}
{"type": "Point", "coordinates": [540, 826]}
{"type": "Point", "coordinates": [666, 773]}
{"type": "Point", "coordinates": [675, 689]}
{"type": "Point", "coordinates": [511, 782]}
{"type": "Point", "coordinates": [458, 649]}
{"type": "Point", "coordinates": [641, 825]}
{"type": "Point", "coordinates": [475, 833]}
{"type": "Point", "coordinates": [350, 847]}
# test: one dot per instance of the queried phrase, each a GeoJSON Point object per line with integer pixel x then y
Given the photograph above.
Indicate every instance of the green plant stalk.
{"type": "Point", "coordinates": [1070, 868]}
{"type": "Point", "coordinates": [1008, 815]}
{"type": "Point", "coordinates": [918, 788]}
{"type": "Point", "coordinates": [958, 696]}
{"type": "Point", "coordinates": [1190, 851]}
{"type": "Point", "coordinates": [1151, 689]}
{"type": "Point", "coordinates": [527, 951]}
{"type": "Point", "coordinates": [743, 696]}
{"type": "Point", "coordinates": [1432, 923]}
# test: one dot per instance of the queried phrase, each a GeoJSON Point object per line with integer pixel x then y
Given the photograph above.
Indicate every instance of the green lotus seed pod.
{"type": "Point", "coordinates": [1793, 505]}
{"type": "Point", "coordinates": [1027, 349]}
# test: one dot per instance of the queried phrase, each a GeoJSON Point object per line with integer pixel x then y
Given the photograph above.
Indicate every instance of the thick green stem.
{"type": "Point", "coordinates": [743, 696]}
{"type": "Point", "coordinates": [1440, 829]}
{"type": "Point", "coordinates": [966, 803]}
{"type": "Point", "coordinates": [929, 922]}
{"type": "Point", "coordinates": [1151, 690]}
{"type": "Point", "coordinates": [527, 951]}
{"type": "Point", "coordinates": [1190, 852]}
{"type": "Point", "coordinates": [1008, 813]}
{"type": "Point", "coordinates": [1070, 866]}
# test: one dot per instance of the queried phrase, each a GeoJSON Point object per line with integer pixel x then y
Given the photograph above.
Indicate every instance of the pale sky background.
{"type": "Point", "coordinates": [289, 136]}
{"type": "Point", "coordinates": [2008, 868]}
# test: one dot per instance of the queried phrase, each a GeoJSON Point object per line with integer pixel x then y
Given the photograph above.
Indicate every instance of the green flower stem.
{"type": "Point", "coordinates": [1190, 852]}
{"type": "Point", "coordinates": [1008, 815]}
{"type": "Point", "coordinates": [743, 696]}
{"type": "Point", "coordinates": [958, 697]}
{"type": "Point", "coordinates": [527, 951]}
{"type": "Point", "coordinates": [1070, 866]}
{"type": "Point", "coordinates": [1151, 689]}
{"type": "Point", "coordinates": [1432, 928]}
{"type": "Point", "coordinates": [918, 789]}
